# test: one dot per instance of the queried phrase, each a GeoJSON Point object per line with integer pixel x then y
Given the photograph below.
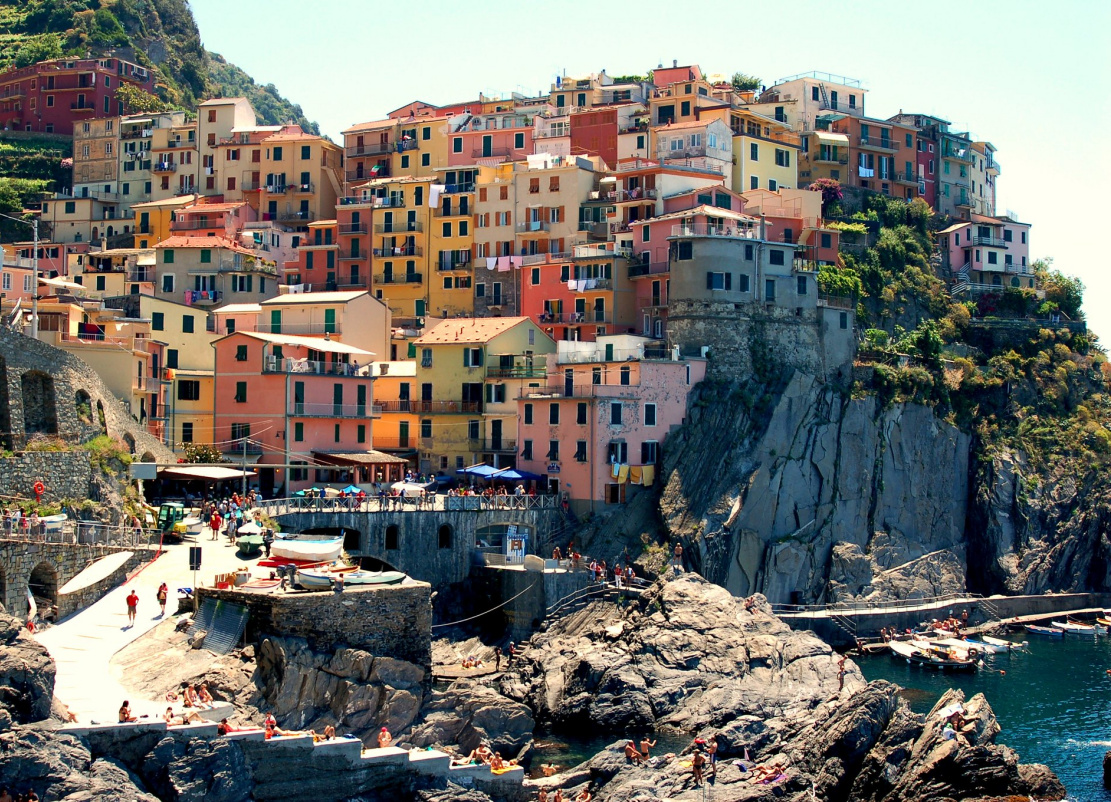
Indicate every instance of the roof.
{"type": "Point", "coordinates": [213, 207]}
{"type": "Point", "coordinates": [184, 200]}
{"type": "Point", "coordinates": [313, 298]}
{"type": "Point", "coordinates": [237, 309]}
{"type": "Point", "coordinates": [371, 126]}
{"type": "Point", "coordinates": [359, 457]}
{"type": "Point", "coordinates": [469, 330]}
{"type": "Point", "coordinates": [294, 136]}
{"type": "Point", "coordinates": [318, 223]}
{"type": "Point", "coordinates": [203, 242]}
{"type": "Point", "coordinates": [685, 124]}
{"type": "Point", "coordinates": [954, 227]}
{"type": "Point", "coordinates": [711, 211]}
{"type": "Point", "coordinates": [315, 343]}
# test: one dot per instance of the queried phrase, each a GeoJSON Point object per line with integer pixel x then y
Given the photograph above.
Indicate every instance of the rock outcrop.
{"type": "Point", "coordinates": [689, 655]}
{"type": "Point", "coordinates": [469, 713]}
{"type": "Point", "coordinates": [26, 673]}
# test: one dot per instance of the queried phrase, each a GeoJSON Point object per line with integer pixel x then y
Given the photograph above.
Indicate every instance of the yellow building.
{"type": "Point", "coordinates": [399, 244]}
{"type": "Point", "coordinates": [302, 177]}
{"type": "Point", "coordinates": [153, 218]}
{"type": "Point", "coordinates": [422, 146]}
{"type": "Point", "coordinates": [175, 159]}
{"type": "Point", "coordinates": [457, 361]}
{"type": "Point", "coordinates": [395, 432]}
{"type": "Point", "coordinates": [80, 219]}
{"type": "Point", "coordinates": [111, 273]}
{"type": "Point", "coordinates": [765, 152]}
{"type": "Point", "coordinates": [451, 242]}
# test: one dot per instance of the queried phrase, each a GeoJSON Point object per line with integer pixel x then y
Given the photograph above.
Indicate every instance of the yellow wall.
{"type": "Point", "coordinates": [199, 412]}
{"type": "Point", "coordinates": [764, 168]}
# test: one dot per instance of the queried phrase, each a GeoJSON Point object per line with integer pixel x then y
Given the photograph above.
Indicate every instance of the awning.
{"type": "Point", "coordinates": [315, 343]}
{"type": "Point", "coordinates": [358, 458]}
{"type": "Point", "coordinates": [61, 284]}
{"type": "Point", "coordinates": [829, 136]}
{"type": "Point", "coordinates": [206, 473]}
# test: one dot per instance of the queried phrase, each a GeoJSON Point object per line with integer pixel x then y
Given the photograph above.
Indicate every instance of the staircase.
{"type": "Point", "coordinates": [845, 624]}
{"type": "Point", "coordinates": [222, 624]}
{"type": "Point", "coordinates": [991, 610]}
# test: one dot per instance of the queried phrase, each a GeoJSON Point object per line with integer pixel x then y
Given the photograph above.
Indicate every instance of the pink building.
{"type": "Point", "coordinates": [600, 422]}
{"type": "Point", "coordinates": [293, 401]}
{"type": "Point", "coordinates": [490, 139]}
{"type": "Point", "coordinates": [986, 255]}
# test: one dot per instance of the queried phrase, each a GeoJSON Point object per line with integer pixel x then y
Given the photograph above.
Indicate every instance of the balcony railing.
{"type": "Point", "coordinates": [495, 444]}
{"type": "Point", "coordinates": [408, 250]}
{"type": "Point", "coordinates": [701, 230]}
{"type": "Point", "coordinates": [457, 261]}
{"type": "Point", "coordinates": [352, 256]}
{"type": "Point", "coordinates": [575, 318]}
{"type": "Point", "coordinates": [373, 149]}
{"type": "Point", "coordinates": [302, 410]}
{"type": "Point", "coordinates": [140, 274]}
{"type": "Point", "coordinates": [830, 158]}
{"type": "Point", "coordinates": [399, 278]}
{"type": "Point", "coordinates": [581, 391]}
{"type": "Point", "coordinates": [352, 228]}
{"type": "Point", "coordinates": [202, 297]}
{"type": "Point", "coordinates": [990, 242]}
{"type": "Point", "coordinates": [905, 177]}
{"type": "Point", "coordinates": [306, 188]}
{"type": "Point", "coordinates": [649, 269]}
{"type": "Point", "coordinates": [879, 143]}
{"type": "Point", "coordinates": [299, 328]}
{"type": "Point", "coordinates": [292, 215]}
{"type": "Point", "coordinates": [454, 211]}
{"type": "Point", "coordinates": [288, 365]}
{"type": "Point", "coordinates": [592, 284]}
{"type": "Point", "coordinates": [430, 407]}
{"type": "Point", "coordinates": [164, 167]}
{"type": "Point", "coordinates": [194, 224]}
{"type": "Point", "coordinates": [400, 227]}
{"type": "Point", "coordinates": [453, 189]}
{"type": "Point", "coordinates": [517, 372]}
{"type": "Point", "coordinates": [533, 225]}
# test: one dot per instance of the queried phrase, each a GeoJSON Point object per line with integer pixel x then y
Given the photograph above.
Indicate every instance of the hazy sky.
{"type": "Point", "coordinates": [1031, 77]}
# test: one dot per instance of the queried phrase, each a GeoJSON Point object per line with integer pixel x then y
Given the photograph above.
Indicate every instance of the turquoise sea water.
{"type": "Point", "coordinates": [1053, 703]}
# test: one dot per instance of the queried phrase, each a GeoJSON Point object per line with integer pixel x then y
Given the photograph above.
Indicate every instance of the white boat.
{"type": "Point", "coordinates": [1003, 645]}
{"type": "Point", "coordinates": [1069, 626]}
{"type": "Point", "coordinates": [189, 527]}
{"type": "Point", "coordinates": [317, 579]}
{"type": "Point", "coordinates": [251, 528]}
{"type": "Point", "coordinates": [969, 645]}
{"type": "Point", "coordinates": [308, 550]}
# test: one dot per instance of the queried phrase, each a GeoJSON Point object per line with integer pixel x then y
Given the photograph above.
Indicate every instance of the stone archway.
{"type": "Point", "coordinates": [40, 407]}
{"type": "Point", "coordinates": [445, 536]}
{"type": "Point", "coordinates": [84, 403]}
{"type": "Point", "coordinates": [100, 417]}
{"type": "Point", "coordinates": [375, 564]}
{"type": "Point", "coordinates": [43, 584]}
{"type": "Point", "coordinates": [147, 457]}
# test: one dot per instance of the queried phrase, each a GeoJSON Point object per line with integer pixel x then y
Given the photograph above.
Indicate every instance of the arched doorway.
{"type": "Point", "coordinates": [40, 410]}
{"type": "Point", "coordinates": [352, 538]}
{"type": "Point", "coordinates": [444, 536]}
{"type": "Point", "coordinates": [130, 440]}
{"type": "Point", "coordinates": [147, 457]}
{"type": "Point", "coordinates": [375, 564]}
{"type": "Point", "coordinates": [43, 584]}
{"type": "Point", "coordinates": [84, 404]}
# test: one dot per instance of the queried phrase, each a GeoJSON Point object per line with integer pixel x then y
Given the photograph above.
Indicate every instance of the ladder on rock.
{"type": "Point", "coordinates": [845, 624]}
{"type": "Point", "coordinates": [991, 610]}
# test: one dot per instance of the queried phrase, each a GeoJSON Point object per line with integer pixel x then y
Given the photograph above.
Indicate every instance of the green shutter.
{"type": "Point", "coordinates": [275, 321]}
{"type": "Point", "coordinates": [329, 321]}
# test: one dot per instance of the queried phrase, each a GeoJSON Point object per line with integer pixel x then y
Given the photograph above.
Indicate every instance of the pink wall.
{"type": "Point", "coordinates": [501, 143]}
{"type": "Point", "coordinates": [551, 287]}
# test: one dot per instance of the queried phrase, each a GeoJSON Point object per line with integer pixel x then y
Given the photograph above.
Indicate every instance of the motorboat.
{"type": "Point", "coordinates": [947, 651]}
{"type": "Point", "coordinates": [969, 645]}
{"type": "Point", "coordinates": [320, 579]}
{"type": "Point", "coordinates": [307, 550]}
{"type": "Point", "coordinates": [260, 586]}
{"type": "Point", "coordinates": [1070, 626]}
{"type": "Point", "coordinates": [1051, 632]}
{"type": "Point", "coordinates": [929, 657]}
{"type": "Point", "coordinates": [53, 523]}
{"type": "Point", "coordinates": [1002, 644]}
{"type": "Point", "coordinates": [189, 527]}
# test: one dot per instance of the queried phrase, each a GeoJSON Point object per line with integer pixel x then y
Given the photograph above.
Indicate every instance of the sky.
{"type": "Point", "coordinates": [1030, 77]}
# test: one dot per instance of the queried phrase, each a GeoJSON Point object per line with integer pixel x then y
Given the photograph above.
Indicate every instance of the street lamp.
{"type": "Point", "coordinates": [34, 223]}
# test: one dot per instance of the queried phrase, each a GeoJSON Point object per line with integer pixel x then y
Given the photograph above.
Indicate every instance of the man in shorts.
{"type": "Point", "coordinates": [132, 606]}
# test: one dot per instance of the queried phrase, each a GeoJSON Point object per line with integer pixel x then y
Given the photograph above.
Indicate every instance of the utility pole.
{"type": "Point", "coordinates": [244, 467]}
{"type": "Point", "coordinates": [34, 223]}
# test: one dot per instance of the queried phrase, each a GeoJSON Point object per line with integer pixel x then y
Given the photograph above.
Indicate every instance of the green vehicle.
{"type": "Point", "coordinates": [175, 521]}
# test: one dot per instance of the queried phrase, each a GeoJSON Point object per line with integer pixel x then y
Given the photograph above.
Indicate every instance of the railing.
{"type": "Point", "coordinates": [867, 606]}
{"type": "Point", "coordinates": [533, 225]}
{"type": "Point", "coordinates": [550, 134]}
{"type": "Point", "coordinates": [194, 225]}
{"type": "Point", "coordinates": [651, 269]}
{"type": "Point", "coordinates": [454, 189]}
{"type": "Point", "coordinates": [703, 230]}
{"type": "Point", "coordinates": [905, 177]}
{"type": "Point", "coordinates": [836, 301]}
{"type": "Point", "coordinates": [420, 406]}
{"type": "Point", "coordinates": [289, 365]}
{"type": "Point", "coordinates": [99, 338]}
{"type": "Point", "coordinates": [306, 216]}
{"type": "Point", "coordinates": [409, 250]}
{"type": "Point", "coordinates": [595, 592]}
{"type": "Point", "coordinates": [517, 372]}
{"type": "Point", "coordinates": [990, 242]}
{"type": "Point", "coordinates": [399, 228]}
{"type": "Point", "coordinates": [353, 256]}
{"type": "Point", "coordinates": [303, 410]}
{"type": "Point", "coordinates": [454, 211]}
{"type": "Point", "coordinates": [140, 274]}
{"type": "Point", "coordinates": [305, 188]}
{"type": "Point", "coordinates": [202, 296]}
{"type": "Point", "coordinates": [580, 391]}
{"type": "Point", "coordinates": [373, 149]}
{"type": "Point", "coordinates": [596, 355]}
{"type": "Point", "coordinates": [878, 142]}
{"type": "Point", "coordinates": [830, 158]}
{"type": "Point", "coordinates": [459, 261]}
{"type": "Point", "coordinates": [399, 278]}
{"type": "Point", "coordinates": [373, 502]}
{"type": "Point", "coordinates": [71, 532]}
{"type": "Point", "coordinates": [352, 228]}
{"type": "Point", "coordinates": [591, 284]}
{"type": "Point", "coordinates": [492, 444]}
{"type": "Point", "coordinates": [163, 167]}
{"type": "Point", "coordinates": [298, 328]}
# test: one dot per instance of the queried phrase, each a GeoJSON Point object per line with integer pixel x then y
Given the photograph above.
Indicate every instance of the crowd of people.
{"type": "Point", "coordinates": [229, 513]}
{"type": "Point", "coordinates": [20, 796]}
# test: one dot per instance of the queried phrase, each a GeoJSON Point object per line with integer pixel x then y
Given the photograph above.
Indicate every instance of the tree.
{"type": "Point", "coordinates": [136, 101]}
{"type": "Point", "coordinates": [745, 83]}
{"type": "Point", "coordinates": [1065, 291]}
{"type": "Point", "coordinates": [830, 189]}
{"type": "Point", "coordinates": [10, 204]}
{"type": "Point", "coordinates": [41, 48]}
{"type": "Point", "coordinates": [199, 452]}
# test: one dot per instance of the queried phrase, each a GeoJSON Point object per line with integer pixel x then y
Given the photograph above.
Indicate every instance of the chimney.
{"type": "Point", "coordinates": [675, 62]}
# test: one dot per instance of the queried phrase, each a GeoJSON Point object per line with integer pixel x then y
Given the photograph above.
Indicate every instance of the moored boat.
{"type": "Point", "coordinates": [970, 645]}
{"type": "Point", "coordinates": [1104, 622]}
{"type": "Point", "coordinates": [1070, 626]}
{"type": "Point", "coordinates": [1052, 632]}
{"type": "Point", "coordinates": [249, 544]}
{"type": "Point", "coordinates": [1002, 644]}
{"type": "Point", "coordinates": [307, 550]}
{"type": "Point", "coordinates": [929, 658]}
{"type": "Point", "coordinates": [53, 523]}
{"type": "Point", "coordinates": [260, 586]}
{"type": "Point", "coordinates": [319, 579]}
{"type": "Point", "coordinates": [374, 578]}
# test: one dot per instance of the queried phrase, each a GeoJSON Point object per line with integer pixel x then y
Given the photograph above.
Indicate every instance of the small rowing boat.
{"type": "Point", "coordinates": [374, 578]}
{"type": "Point", "coordinates": [1104, 622]}
{"type": "Point", "coordinates": [260, 586]}
{"type": "Point", "coordinates": [317, 579]}
{"type": "Point", "coordinates": [1052, 632]}
{"type": "Point", "coordinates": [1069, 626]}
{"type": "Point", "coordinates": [929, 658]}
{"type": "Point", "coordinates": [249, 544]}
{"type": "Point", "coordinates": [308, 550]}
{"type": "Point", "coordinates": [1003, 645]}
{"type": "Point", "coordinates": [53, 523]}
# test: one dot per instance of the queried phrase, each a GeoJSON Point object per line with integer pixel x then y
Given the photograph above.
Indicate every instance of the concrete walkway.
{"type": "Point", "coordinates": [83, 644]}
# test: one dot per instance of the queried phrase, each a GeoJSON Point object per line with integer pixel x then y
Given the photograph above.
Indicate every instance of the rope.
{"type": "Point", "coordinates": [473, 617]}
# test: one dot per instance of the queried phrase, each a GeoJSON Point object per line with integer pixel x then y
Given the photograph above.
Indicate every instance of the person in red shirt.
{"type": "Point", "coordinates": [132, 605]}
{"type": "Point", "coordinates": [216, 524]}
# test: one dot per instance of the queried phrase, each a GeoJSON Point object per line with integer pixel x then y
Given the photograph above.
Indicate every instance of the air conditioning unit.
{"type": "Point", "coordinates": [271, 362]}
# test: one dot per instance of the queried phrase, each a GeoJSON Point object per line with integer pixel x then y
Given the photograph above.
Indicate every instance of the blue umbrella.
{"type": "Point", "coordinates": [515, 475]}
{"type": "Point", "coordinates": [481, 470]}
{"type": "Point", "coordinates": [352, 490]}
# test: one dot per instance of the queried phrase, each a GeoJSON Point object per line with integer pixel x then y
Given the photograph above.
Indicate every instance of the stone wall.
{"type": "Point", "coordinates": [388, 621]}
{"type": "Point", "coordinates": [50, 566]}
{"type": "Point", "coordinates": [65, 474]}
{"type": "Point", "coordinates": [40, 390]}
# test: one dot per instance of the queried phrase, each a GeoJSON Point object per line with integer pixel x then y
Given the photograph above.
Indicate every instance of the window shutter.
{"type": "Point", "coordinates": [709, 281]}
{"type": "Point", "coordinates": [728, 281]}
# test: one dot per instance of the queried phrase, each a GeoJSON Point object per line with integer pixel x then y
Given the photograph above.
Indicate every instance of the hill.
{"type": "Point", "coordinates": [159, 34]}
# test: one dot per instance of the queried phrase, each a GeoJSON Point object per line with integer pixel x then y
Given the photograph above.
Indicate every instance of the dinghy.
{"type": "Point", "coordinates": [1051, 632]}
{"type": "Point", "coordinates": [260, 586]}
{"type": "Point", "coordinates": [307, 550]}
{"type": "Point", "coordinates": [1003, 645]}
{"type": "Point", "coordinates": [249, 544]}
{"type": "Point", "coordinates": [925, 658]}
{"type": "Point", "coordinates": [1069, 626]}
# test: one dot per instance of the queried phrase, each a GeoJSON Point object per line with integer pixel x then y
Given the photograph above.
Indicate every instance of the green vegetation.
{"type": "Point", "coordinates": [109, 455]}
{"type": "Point", "coordinates": [199, 452]}
{"type": "Point", "coordinates": [158, 34]}
{"type": "Point", "coordinates": [743, 83]}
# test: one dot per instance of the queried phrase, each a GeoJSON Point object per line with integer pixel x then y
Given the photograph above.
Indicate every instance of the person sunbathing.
{"type": "Point", "coordinates": [496, 762]}
{"type": "Point", "coordinates": [384, 738]}
{"type": "Point", "coordinates": [484, 754]}
{"type": "Point", "coordinates": [205, 698]}
{"type": "Point", "coordinates": [190, 697]}
{"type": "Point", "coordinates": [632, 754]}
{"type": "Point", "coordinates": [126, 716]}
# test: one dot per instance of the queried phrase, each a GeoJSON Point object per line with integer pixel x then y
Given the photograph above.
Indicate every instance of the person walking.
{"type": "Point", "coordinates": [267, 540]}
{"type": "Point", "coordinates": [163, 591]}
{"type": "Point", "coordinates": [132, 606]}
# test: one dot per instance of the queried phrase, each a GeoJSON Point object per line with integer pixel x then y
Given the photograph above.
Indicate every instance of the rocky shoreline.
{"type": "Point", "coordinates": [684, 655]}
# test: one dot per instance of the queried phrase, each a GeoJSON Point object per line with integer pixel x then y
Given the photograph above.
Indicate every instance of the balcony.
{"type": "Point", "coordinates": [352, 228]}
{"type": "Point", "coordinates": [681, 153]}
{"type": "Point", "coordinates": [454, 211]}
{"type": "Point", "coordinates": [275, 365]}
{"type": "Point", "coordinates": [394, 443]}
{"type": "Point", "coordinates": [580, 391]}
{"type": "Point", "coordinates": [575, 318]}
{"type": "Point", "coordinates": [879, 143]}
{"type": "Point", "coordinates": [456, 261]}
{"type": "Point", "coordinates": [495, 444]}
{"type": "Point", "coordinates": [650, 269]}
{"type": "Point", "coordinates": [989, 242]}
{"type": "Point", "coordinates": [193, 224]}
{"type": "Point", "coordinates": [826, 157]}
{"type": "Point", "coordinates": [304, 189]}
{"type": "Point", "coordinates": [140, 274]}
{"type": "Point", "coordinates": [292, 216]}
{"type": "Point", "coordinates": [82, 106]}
{"type": "Point", "coordinates": [353, 256]}
{"type": "Point", "coordinates": [164, 167]}
{"type": "Point", "coordinates": [906, 178]}
{"type": "Point", "coordinates": [533, 226]}
{"type": "Point", "coordinates": [455, 189]}
{"type": "Point", "coordinates": [445, 407]}
{"type": "Point", "coordinates": [408, 250]}
{"type": "Point", "coordinates": [551, 133]}
{"type": "Point", "coordinates": [701, 230]}
{"type": "Point", "coordinates": [399, 278]}
{"type": "Point", "coordinates": [202, 297]}
{"type": "Point", "coordinates": [302, 410]}
{"type": "Point", "coordinates": [401, 227]}
{"type": "Point", "coordinates": [517, 372]}
{"type": "Point", "coordinates": [374, 149]}
{"type": "Point", "coordinates": [591, 285]}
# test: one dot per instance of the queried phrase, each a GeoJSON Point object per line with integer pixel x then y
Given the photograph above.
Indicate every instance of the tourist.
{"type": "Point", "coordinates": [632, 755]}
{"type": "Point", "coordinates": [841, 674]}
{"type": "Point", "coordinates": [558, 795]}
{"type": "Point", "coordinates": [125, 713]}
{"type": "Point", "coordinates": [646, 747]}
{"type": "Point", "coordinates": [697, 762]}
{"type": "Point", "coordinates": [542, 796]}
{"type": "Point", "coordinates": [267, 540]}
{"type": "Point", "coordinates": [512, 652]}
{"type": "Point", "coordinates": [677, 559]}
{"type": "Point", "coordinates": [189, 696]}
{"type": "Point", "coordinates": [556, 554]}
{"type": "Point", "coordinates": [168, 716]}
{"type": "Point", "coordinates": [205, 698]}
{"type": "Point", "coordinates": [384, 738]}
{"type": "Point", "coordinates": [337, 584]}
{"type": "Point", "coordinates": [223, 728]}
{"type": "Point", "coordinates": [163, 591]}
{"type": "Point", "coordinates": [7, 797]}
{"type": "Point", "coordinates": [584, 796]}
{"type": "Point", "coordinates": [215, 523]}
{"type": "Point", "coordinates": [132, 606]}
{"type": "Point", "coordinates": [497, 658]}
{"type": "Point", "coordinates": [712, 751]}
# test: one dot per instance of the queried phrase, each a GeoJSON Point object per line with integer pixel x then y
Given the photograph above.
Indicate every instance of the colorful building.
{"type": "Point", "coordinates": [302, 178]}
{"type": "Point", "coordinates": [209, 271]}
{"type": "Point", "coordinates": [987, 255]}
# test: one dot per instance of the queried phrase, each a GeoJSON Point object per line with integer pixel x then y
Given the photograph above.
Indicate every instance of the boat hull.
{"type": "Point", "coordinates": [1049, 632]}
{"type": "Point", "coordinates": [308, 550]}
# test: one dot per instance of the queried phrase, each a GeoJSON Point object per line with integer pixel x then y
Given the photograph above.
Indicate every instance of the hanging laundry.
{"type": "Point", "coordinates": [188, 297]}
{"type": "Point", "coordinates": [503, 263]}
{"type": "Point", "coordinates": [572, 285]}
{"type": "Point", "coordinates": [491, 262]}
{"type": "Point", "coordinates": [615, 469]}
{"type": "Point", "coordinates": [622, 474]}
{"type": "Point", "coordinates": [649, 475]}
{"type": "Point", "coordinates": [636, 474]}
{"type": "Point", "coordinates": [434, 193]}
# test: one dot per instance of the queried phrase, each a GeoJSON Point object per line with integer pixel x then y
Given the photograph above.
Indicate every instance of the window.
{"type": "Point", "coordinates": [277, 154]}
{"type": "Point", "coordinates": [240, 353]}
{"type": "Point", "coordinates": [1023, 235]}
{"type": "Point", "coordinates": [800, 285]}
{"type": "Point", "coordinates": [187, 432]}
{"type": "Point", "coordinates": [7, 281]}
{"type": "Point", "coordinates": [188, 390]}
{"type": "Point", "coordinates": [472, 357]}
{"type": "Point", "coordinates": [157, 321]}
{"type": "Point", "coordinates": [298, 474]}
{"type": "Point", "coordinates": [649, 452]}
{"type": "Point", "coordinates": [167, 257]}
{"type": "Point", "coordinates": [457, 144]}
{"type": "Point", "coordinates": [615, 413]}
{"type": "Point", "coordinates": [754, 152]}
{"type": "Point", "coordinates": [241, 392]}
{"type": "Point", "coordinates": [443, 536]}
{"type": "Point", "coordinates": [71, 207]}
{"type": "Point", "coordinates": [535, 276]}
{"type": "Point", "coordinates": [754, 182]}
{"type": "Point", "coordinates": [526, 449]}
{"type": "Point", "coordinates": [684, 251]}
{"type": "Point", "coordinates": [240, 431]}
{"type": "Point", "coordinates": [528, 414]}
{"type": "Point", "coordinates": [360, 433]}
{"type": "Point", "coordinates": [685, 107]}
{"type": "Point", "coordinates": [581, 416]}
{"type": "Point", "coordinates": [773, 185]}
{"type": "Point", "coordinates": [518, 140]}
{"type": "Point", "coordinates": [776, 257]}
{"type": "Point", "coordinates": [553, 414]}
{"type": "Point", "coordinates": [425, 159]}
{"type": "Point", "coordinates": [446, 229]}
{"type": "Point", "coordinates": [814, 93]}
{"type": "Point", "coordinates": [993, 258]}
{"type": "Point", "coordinates": [405, 162]}
{"type": "Point", "coordinates": [187, 324]}
{"type": "Point", "coordinates": [171, 357]}
{"type": "Point", "coordinates": [1008, 236]}
{"type": "Point", "coordinates": [618, 452]}
{"type": "Point", "coordinates": [306, 151]}
{"type": "Point", "coordinates": [769, 290]}
{"type": "Point", "coordinates": [553, 450]}
{"type": "Point", "coordinates": [782, 157]}
{"type": "Point", "coordinates": [719, 281]}
{"type": "Point", "coordinates": [241, 283]}
{"type": "Point", "coordinates": [580, 451]}
{"type": "Point", "coordinates": [206, 256]}
{"type": "Point", "coordinates": [827, 240]}
{"type": "Point", "coordinates": [392, 538]}
{"type": "Point", "coordinates": [649, 414]}
{"type": "Point", "coordinates": [844, 322]}
{"type": "Point", "coordinates": [626, 374]}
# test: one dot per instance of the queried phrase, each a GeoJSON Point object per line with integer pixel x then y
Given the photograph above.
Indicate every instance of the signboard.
{"type": "Point", "coordinates": [144, 470]}
{"type": "Point", "coordinates": [194, 558]}
{"type": "Point", "coordinates": [516, 545]}
{"type": "Point", "coordinates": [553, 468]}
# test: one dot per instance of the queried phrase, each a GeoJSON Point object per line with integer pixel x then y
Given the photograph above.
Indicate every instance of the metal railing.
{"type": "Point", "coordinates": [303, 410]}
{"type": "Point", "coordinates": [399, 228]}
{"type": "Point", "coordinates": [990, 242]}
{"type": "Point", "coordinates": [868, 606]}
{"type": "Point", "coordinates": [517, 372]}
{"type": "Point", "coordinates": [290, 365]}
{"type": "Point", "coordinates": [352, 228]}
{"type": "Point", "coordinates": [703, 230]}
{"type": "Point", "coordinates": [878, 142]}
{"type": "Point", "coordinates": [649, 269]}
{"type": "Point", "coordinates": [453, 189]}
{"type": "Point", "coordinates": [458, 261]}
{"type": "Point", "coordinates": [373, 149]}
{"type": "Point", "coordinates": [580, 391]}
{"type": "Point", "coordinates": [164, 167]}
{"type": "Point", "coordinates": [533, 225]}
{"type": "Point", "coordinates": [84, 533]}
{"type": "Point", "coordinates": [408, 250]}
{"type": "Point", "coordinates": [399, 278]}
{"type": "Point", "coordinates": [373, 502]}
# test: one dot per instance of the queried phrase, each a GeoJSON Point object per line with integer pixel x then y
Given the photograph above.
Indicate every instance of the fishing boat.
{"type": "Point", "coordinates": [1070, 626]}
{"type": "Point", "coordinates": [260, 586]}
{"type": "Point", "coordinates": [1003, 645]}
{"type": "Point", "coordinates": [318, 579]}
{"type": "Point", "coordinates": [314, 579]}
{"type": "Point", "coordinates": [249, 544]}
{"type": "Point", "coordinates": [308, 550]}
{"type": "Point", "coordinates": [924, 657]}
{"type": "Point", "coordinates": [53, 523]}
{"type": "Point", "coordinates": [374, 578]}
{"type": "Point", "coordinates": [946, 651]}
{"type": "Point", "coordinates": [970, 645]}
{"type": "Point", "coordinates": [189, 527]}
{"type": "Point", "coordinates": [1052, 632]}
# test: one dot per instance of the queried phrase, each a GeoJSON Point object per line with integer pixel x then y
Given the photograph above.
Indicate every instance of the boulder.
{"type": "Point", "coordinates": [26, 673]}
{"type": "Point", "coordinates": [468, 714]}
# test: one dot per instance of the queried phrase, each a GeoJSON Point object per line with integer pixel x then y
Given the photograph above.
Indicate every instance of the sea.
{"type": "Point", "coordinates": [1053, 702]}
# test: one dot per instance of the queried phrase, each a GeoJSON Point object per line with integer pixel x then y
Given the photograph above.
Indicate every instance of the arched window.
{"type": "Point", "coordinates": [392, 537]}
{"type": "Point", "coordinates": [444, 536]}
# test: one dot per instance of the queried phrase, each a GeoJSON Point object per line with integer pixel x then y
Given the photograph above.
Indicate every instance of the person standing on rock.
{"type": "Point", "coordinates": [646, 747]}
{"type": "Point", "coordinates": [677, 560]}
{"type": "Point", "coordinates": [712, 751]}
{"type": "Point", "coordinates": [163, 591]}
{"type": "Point", "coordinates": [384, 738]}
{"type": "Point", "coordinates": [841, 674]}
{"type": "Point", "coordinates": [132, 607]}
{"type": "Point", "coordinates": [497, 658]}
{"type": "Point", "coordinates": [697, 762]}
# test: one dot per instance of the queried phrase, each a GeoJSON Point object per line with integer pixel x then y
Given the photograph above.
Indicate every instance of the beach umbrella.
{"type": "Point", "coordinates": [352, 490]}
{"type": "Point", "coordinates": [516, 475]}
